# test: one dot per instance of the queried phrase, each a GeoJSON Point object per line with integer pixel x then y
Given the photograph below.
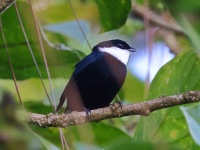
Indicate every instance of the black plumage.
{"type": "Point", "coordinates": [96, 79]}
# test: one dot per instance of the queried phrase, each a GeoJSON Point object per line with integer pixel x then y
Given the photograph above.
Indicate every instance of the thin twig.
{"type": "Point", "coordinates": [166, 25]}
{"type": "Point", "coordinates": [47, 69]}
{"type": "Point", "coordinates": [63, 140]}
{"type": "Point", "coordinates": [32, 55]}
{"type": "Point", "coordinates": [157, 19]}
{"type": "Point", "coordinates": [5, 4]}
{"type": "Point", "coordinates": [43, 53]}
{"type": "Point", "coordinates": [142, 108]}
{"type": "Point", "coordinates": [79, 25]}
{"type": "Point", "coordinates": [10, 64]}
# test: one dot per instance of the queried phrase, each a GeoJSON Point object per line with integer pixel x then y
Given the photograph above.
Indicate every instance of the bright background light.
{"type": "Point", "coordinates": [140, 65]}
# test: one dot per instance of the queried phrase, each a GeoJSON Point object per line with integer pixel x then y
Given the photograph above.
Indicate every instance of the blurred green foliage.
{"type": "Point", "coordinates": [113, 14]}
{"type": "Point", "coordinates": [167, 128]}
{"type": "Point", "coordinates": [179, 75]}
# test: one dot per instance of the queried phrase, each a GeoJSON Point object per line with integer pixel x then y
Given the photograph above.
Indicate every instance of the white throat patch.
{"type": "Point", "coordinates": [121, 55]}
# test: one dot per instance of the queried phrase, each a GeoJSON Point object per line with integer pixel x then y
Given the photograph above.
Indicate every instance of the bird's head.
{"type": "Point", "coordinates": [117, 48]}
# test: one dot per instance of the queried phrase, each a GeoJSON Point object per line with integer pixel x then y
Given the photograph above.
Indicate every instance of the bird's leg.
{"type": "Point", "coordinates": [119, 102]}
{"type": "Point", "coordinates": [87, 111]}
{"type": "Point", "coordinates": [67, 111]}
{"type": "Point", "coordinates": [115, 106]}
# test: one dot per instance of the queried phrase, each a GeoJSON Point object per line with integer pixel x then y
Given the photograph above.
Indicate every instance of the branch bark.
{"type": "Point", "coordinates": [142, 108]}
{"type": "Point", "coordinates": [166, 21]}
{"type": "Point", "coordinates": [167, 27]}
{"type": "Point", "coordinates": [5, 4]}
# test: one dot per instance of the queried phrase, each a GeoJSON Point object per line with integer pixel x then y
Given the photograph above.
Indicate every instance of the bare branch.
{"type": "Point", "coordinates": [167, 27]}
{"type": "Point", "coordinates": [167, 22]}
{"type": "Point", "coordinates": [142, 108]}
{"type": "Point", "coordinates": [5, 4]}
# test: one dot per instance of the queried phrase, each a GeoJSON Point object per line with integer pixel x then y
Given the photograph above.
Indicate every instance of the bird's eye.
{"type": "Point", "coordinates": [120, 46]}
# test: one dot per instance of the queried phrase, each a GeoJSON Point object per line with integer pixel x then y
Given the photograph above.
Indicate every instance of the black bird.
{"type": "Point", "coordinates": [97, 78]}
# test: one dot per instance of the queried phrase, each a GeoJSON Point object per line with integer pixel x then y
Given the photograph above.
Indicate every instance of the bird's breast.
{"type": "Point", "coordinates": [116, 69]}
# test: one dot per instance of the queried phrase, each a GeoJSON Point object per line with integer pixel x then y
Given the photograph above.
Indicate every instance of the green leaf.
{"type": "Point", "coordinates": [192, 34]}
{"type": "Point", "coordinates": [187, 15]}
{"type": "Point", "coordinates": [180, 7]}
{"type": "Point", "coordinates": [113, 14]}
{"type": "Point", "coordinates": [47, 144]}
{"type": "Point", "coordinates": [72, 29]}
{"type": "Point", "coordinates": [49, 134]}
{"type": "Point", "coordinates": [21, 59]}
{"type": "Point", "coordinates": [98, 134]}
{"type": "Point", "coordinates": [132, 90]}
{"type": "Point", "coordinates": [106, 134]}
{"type": "Point", "coordinates": [179, 75]}
{"type": "Point", "coordinates": [192, 117]}
{"type": "Point", "coordinates": [37, 107]}
{"type": "Point", "coordinates": [130, 145]}
{"type": "Point", "coordinates": [91, 134]}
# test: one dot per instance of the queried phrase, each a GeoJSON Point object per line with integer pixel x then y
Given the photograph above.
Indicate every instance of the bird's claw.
{"type": "Point", "coordinates": [115, 106]}
{"type": "Point", "coordinates": [87, 111]}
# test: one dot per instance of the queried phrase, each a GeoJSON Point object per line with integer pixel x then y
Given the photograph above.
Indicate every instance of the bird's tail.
{"type": "Point", "coordinates": [62, 100]}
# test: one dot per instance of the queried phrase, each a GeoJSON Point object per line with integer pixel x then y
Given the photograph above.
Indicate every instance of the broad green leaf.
{"type": "Point", "coordinates": [48, 145]}
{"type": "Point", "coordinates": [37, 107]}
{"type": "Point", "coordinates": [32, 89]}
{"type": "Point", "coordinates": [4, 5]}
{"type": "Point", "coordinates": [179, 75]}
{"type": "Point", "coordinates": [98, 134]}
{"type": "Point", "coordinates": [73, 29]}
{"type": "Point", "coordinates": [192, 34]}
{"type": "Point", "coordinates": [113, 13]}
{"type": "Point", "coordinates": [192, 117]}
{"type": "Point", "coordinates": [83, 146]}
{"type": "Point", "coordinates": [187, 15]}
{"type": "Point", "coordinates": [168, 125]}
{"type": "Point", "coordinates": [91, 134]}
{"type": "Point", "coordinates": [49, 134]}
{"type": "Point", "coordinates": [60, 63]}
{"type": "Point", "coordinates": [103, 134]}
{"type": "Point", "coordinates": [132, 90]}
{"type": "Point", "coordinates": [130, 145]}
{"type": "Point", "coordinates": [180, 7]}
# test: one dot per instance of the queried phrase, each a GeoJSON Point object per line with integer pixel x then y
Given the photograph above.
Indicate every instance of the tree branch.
{"type": "Point", "coordinates": [5, 4]}
{"type": "Point", "coordinates": [167, 27]}
{"type": "Point", "coordinates": [142, 108]}
{"type": "Point", "coordinates": [165, 20]}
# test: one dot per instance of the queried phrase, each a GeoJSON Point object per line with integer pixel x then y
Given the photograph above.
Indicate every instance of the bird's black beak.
{"type": "Point", "coordinates": [132, 49]}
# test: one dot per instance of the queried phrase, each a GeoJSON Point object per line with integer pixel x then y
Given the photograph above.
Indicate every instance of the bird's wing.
{"type": "Point", "coordinates": [88, 60]}
{"type": "Point", "coordinates": [80, 70]}
{"type": "Point", "coordinates": [91, 68]}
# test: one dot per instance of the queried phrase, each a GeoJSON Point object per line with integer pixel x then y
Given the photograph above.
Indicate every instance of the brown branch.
{"type": "Point", "coordinates": [5, 4]}
{"type": "Point", "coordinates": [168, 29]}
{"type": "Point", "coordinates": [142, 108]}
{"type": "Point", "coordinates": [166, 21]}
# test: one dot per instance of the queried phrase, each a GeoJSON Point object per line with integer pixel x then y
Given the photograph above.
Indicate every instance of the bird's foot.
{"type": "Point", "coordinates": [87, 111]}
{"type": "Point", "coordinates": [67, 111]}
{"type": "Point", "coordinates": [115, 106]}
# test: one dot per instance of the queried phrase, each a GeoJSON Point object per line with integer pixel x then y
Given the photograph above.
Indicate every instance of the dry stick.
{"type": "Point", "coordinates": [48, 73]}
{"type": "Point", "coordinates": [156, 19]}
{"type": "Point", "coordinates": [142, 108]}
{"type": "Point", "coordinates": [168, 26]}
{"type": "Point", "coordinates": [79, 25]}
{"type": "Point", "coordinates": [32, 55]}
{"type": "Point", "coordinates": [43, 53]}
{"type": "Point", "coordinates": [61, 138]}
{"type": "Point", "coordinates": [64, 141]}
{"type": "Point", "coordinates": [10, 64]}
{"type": "Point", "coordinates": [5, 4]}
